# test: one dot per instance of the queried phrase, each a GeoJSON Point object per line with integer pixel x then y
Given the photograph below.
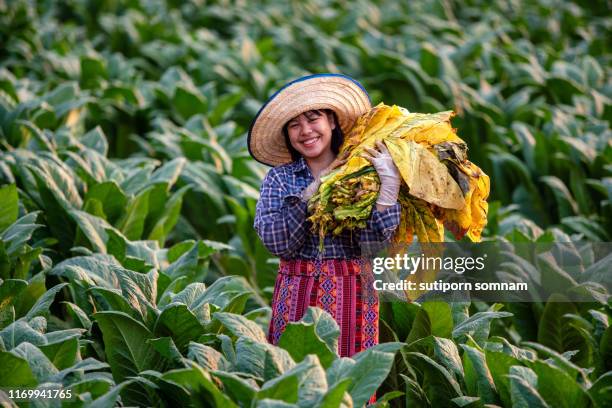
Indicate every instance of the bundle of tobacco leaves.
{"type": "Point", "coordinates": [441, 188]}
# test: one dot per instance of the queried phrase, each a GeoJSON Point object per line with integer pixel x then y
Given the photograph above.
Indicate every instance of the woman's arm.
{"type": "Point", "coordinates": [280, 218]}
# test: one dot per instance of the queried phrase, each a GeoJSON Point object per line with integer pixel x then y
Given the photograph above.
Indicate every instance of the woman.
{"type": "Point", "coordinates": [300, 130]}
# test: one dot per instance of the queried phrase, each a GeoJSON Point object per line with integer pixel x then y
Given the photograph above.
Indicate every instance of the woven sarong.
{"type": "Point", "coordinates": [343, 288]}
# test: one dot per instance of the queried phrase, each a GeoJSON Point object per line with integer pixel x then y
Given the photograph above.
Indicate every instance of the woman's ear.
{"type": "Point", "coordinates": [331, 119]}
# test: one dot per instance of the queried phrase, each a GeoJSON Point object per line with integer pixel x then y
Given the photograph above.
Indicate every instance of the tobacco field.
{"type": "Point", "coordinates": [130, 272]}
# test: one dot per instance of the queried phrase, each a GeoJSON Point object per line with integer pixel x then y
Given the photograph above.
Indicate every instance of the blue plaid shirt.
{"type": "Point", "coordinates": [280, 220]}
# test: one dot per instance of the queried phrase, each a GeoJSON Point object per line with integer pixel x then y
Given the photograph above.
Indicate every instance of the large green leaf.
{"type": "Point", "coordinates": [300, 340]}
{"type": "Point", "coordinates": [180, 323]}
{"type": "Point", "coordinates": [367, 370]}
{"type": "Point", "coordinates": [439, 385]}
{"type": "Point", "coordinates": [128, 352]}
{"type": "Point", "coordinates": [434, 318]}
{"type": "Point", "coordinates": [240, 326]}
{"type": "Point", "coordinates": [15, 371]}
{"type": "Point", "coordinates": [200, 386]}
{"type": "Point", "coordinates": [523, 388]}
{"type": "Point", "coordinates": [555, 331]}
{"type": "Point", "coordinates": [261, 359]}
{"type": "Point", "coordinates": [9, 209]}
{"type": "Point", "coordinates": [478, 325]}
{"type": "Point", "coordinates": [557, 387]}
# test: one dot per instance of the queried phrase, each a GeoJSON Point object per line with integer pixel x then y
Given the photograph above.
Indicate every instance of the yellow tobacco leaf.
{"type": "Point", "coordinates": [480, 207]}
{"type": "Point", "coordinates": [378, 120]}
{"type": "Point", "coordinates": [458, 221]}
{"type": "Point", "coordinates": [473, 217]}
{"type": "Point", "coordinates": [426, 177]}
{"type": "Point", "coordinates": [426, 226]}
{"type": "Point", "coordinates": [436, 133]}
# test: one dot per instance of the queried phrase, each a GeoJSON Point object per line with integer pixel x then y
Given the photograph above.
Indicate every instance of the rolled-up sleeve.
{"type": "Point", "coordinates": [280, 218]}
{"type": "Point", "coordinates": [379, 229]}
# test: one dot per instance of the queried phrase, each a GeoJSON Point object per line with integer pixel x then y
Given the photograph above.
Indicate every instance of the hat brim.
{"type": "Point", "coordinates": [340, 93]}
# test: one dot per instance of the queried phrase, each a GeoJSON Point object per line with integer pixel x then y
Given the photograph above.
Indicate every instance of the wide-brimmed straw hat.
{"type": "Point", "coordinates": [340, 93]}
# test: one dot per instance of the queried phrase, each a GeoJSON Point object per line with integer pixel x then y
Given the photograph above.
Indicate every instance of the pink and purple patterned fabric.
{"type": "Point", "coordinates": [343, 288]}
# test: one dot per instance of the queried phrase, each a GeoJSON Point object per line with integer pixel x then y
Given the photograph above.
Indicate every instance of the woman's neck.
{"type": "Point", "coordinates": [318, 164]}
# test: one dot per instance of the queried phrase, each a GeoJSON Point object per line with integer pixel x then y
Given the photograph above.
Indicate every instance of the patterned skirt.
{"type": "Point", "coordinates": [343, 288]}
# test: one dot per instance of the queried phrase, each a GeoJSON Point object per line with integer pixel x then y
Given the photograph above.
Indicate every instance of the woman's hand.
{"type": "Point", "coordinates": [314, 186]}
{"type": "Point", "coordinates": [387, 172]}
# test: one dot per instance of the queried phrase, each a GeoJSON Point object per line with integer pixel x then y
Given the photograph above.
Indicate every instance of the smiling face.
{"type": "Point", "coordinates": [310, 133]}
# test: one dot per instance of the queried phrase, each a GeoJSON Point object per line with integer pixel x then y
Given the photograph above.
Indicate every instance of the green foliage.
{"type": "Point", "coordinates": [129, 269]}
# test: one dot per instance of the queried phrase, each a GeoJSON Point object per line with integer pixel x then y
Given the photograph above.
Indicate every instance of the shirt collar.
{"type": "Point", "coordinates": [300, 165]}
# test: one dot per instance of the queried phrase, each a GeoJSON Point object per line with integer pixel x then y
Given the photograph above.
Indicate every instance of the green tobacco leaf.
{"type": "Point", "coordinates": [207, 357]}
{"type": "Point", "coordinates": [446, 353]}
{"type": "Point", "coordinates": [601, 390]}
{"type": "Point", "coordinates": [262, 360]}
{"type": "Point", "coordinates": [127, 351]}
{"type": "Point", "coordinates": [9, 291]}
{"type": "Point", "coordinates": [42, 305]}
{"type": "Point", "coordinates": [96, 140]}
{"type": "Point", "coordinates": [434, 318]}
{"type": "Point", "coordinates": [109, 399]}
{"type": "Point", "coordinates": [499, 365]}
{"type": "Point", "coordinates": [35, 289]}
{"type": "Point", "coordinates": [224, 289]}
{"type": "Point", "coordinates": [185, 265]}
{"type": "Point", "coordinates": [478, 377]}
{"type": "Point", "coordinates": [94, 270]}
{"type": "Point", "coordinates": [325, 326]}
{"type": "Point", "coordinates": [237, 388]}
{"type": "Point", "coordinates": [78, 315]}
{"type": "Point", "coordinates": [439, 385]}
{"type": "Point", "coordinates": [523, 388]}
{"type": "Point", "coordinates": [41, 366]}
{"type": "Point", "coordinates": [566, 204]}
{"type": "Point", "coordinates": [180, 323]}
{"type": "Point", "coordinates": [478, 325]}
{"type": "Point", "coordinates": [283, 388]}
{"type": "Point", "coordinates": [192, 297]}
{"type": "Point", "coordinates": [168, 219]}
{"type": "Point", "coordinates": [557, 387]}
{"type": "Point", "coordinates": [19, 232]}
{"type": "Point", "coordinates": [166, 348]}
{"type": "Point", "coordinates": [133, 221]}
{"type": "Point", "coordinates": [10, 206]}
{"type": "Point", "coordinates": [15, 371]}
{"type": "Point", "coordinates": [168, 173]}
{"type": "Point", "coordinates": [188, 102]}
{"type": "Point", "coordinates": [367, 370]}
{"type": "Point", "coordinates": [200, 386]}
{"type": "Point", "coordinates": [62, 352]}
{"type": "Point", "coordinates": [555, 332]}
{"type": "Point", "coordinates": [240, 326]}
{"type": "Point", "coordinates": [19, 332]}
{"type": "Point", "coordinates": [113, 199]}
{"type": "Point", "coordinates": [300, 339]}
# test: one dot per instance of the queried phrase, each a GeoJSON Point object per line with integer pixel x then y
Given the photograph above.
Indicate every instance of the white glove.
{"type": "Point", "coordinates": [314, 186]}
{"type": "Point", "coordinates": [387, 172]}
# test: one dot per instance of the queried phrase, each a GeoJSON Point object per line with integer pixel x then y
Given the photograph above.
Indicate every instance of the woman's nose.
{"type": "Point", "coordinates": [305, 128]}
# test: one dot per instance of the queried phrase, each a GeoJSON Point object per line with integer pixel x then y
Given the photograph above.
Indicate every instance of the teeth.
{"type": "Point", "coordinates": [310, 142]}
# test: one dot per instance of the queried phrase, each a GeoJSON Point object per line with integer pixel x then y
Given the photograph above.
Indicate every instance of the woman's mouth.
{"type": "Point", "coordinates": [310, 142]}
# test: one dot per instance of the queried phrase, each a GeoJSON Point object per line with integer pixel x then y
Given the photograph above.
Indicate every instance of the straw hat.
{"type": "Point", "coordinates": [340, 93]}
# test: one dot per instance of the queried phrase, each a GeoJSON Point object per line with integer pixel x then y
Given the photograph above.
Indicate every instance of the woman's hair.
{"type": "Point", "coordinates": [337, 137]}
